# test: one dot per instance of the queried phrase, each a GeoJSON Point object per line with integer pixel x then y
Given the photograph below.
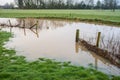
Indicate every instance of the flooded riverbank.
{"type": "Point", "coordinates": [55, 39]}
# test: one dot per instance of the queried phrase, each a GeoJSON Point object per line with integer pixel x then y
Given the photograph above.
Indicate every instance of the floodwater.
{"type": "Point", "coordinates": [55, 39]}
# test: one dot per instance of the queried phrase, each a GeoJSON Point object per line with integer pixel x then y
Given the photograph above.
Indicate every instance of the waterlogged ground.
{"type": "Point", "coordinates": [14, 67]}
{"type": "Point", "coordinates": [55, 39]}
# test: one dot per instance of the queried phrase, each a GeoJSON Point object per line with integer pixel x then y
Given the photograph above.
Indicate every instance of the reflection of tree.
{"type": "Point", "coordinates": [42, 23]}
{"type": "Point", "coordinates": [50, 24]}
{"type": "Point", "coordinates": [33, 24]}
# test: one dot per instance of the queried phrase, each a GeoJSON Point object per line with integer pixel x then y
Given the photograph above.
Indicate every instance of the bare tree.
{"type": "Point", "coordinates": [66, 4]}
{"type": "Point", "coordinates": [69, 4]}
{"type": "Point", "coordinates": [114, 4]}
{"type": "Point", "coordinates": [19, 3]}
{"type": "Point", "coordinates": [110, 4]}
{"type": "Point", "coordinates": [98, 4]}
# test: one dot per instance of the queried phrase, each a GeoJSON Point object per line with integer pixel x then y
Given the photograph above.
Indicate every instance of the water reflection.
{"type": "Point", "coordinates": [29, 22]}
{"type": "Point", "coordinates": [97, 58]}
{"type": "Point", "coordinates": [10, 29]}
{"type": "Point", "coordinates": [24, 31]}
{"type": "Point", "coordinates": [55, 39]}
{"type": "Point", "coordinates": [77, 47]}
{"type": "Point", "coordinates": [35, 32]}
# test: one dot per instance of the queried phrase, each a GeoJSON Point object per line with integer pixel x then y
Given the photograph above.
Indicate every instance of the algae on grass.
{"type": "Point", "coordinates": [14, 67]}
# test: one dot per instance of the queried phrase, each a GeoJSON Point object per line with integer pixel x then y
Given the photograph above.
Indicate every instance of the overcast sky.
{"type": "Point", "coordinates": [2, 2]}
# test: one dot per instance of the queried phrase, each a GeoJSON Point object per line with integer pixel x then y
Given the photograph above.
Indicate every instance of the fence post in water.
{"type": "Point", "coordinates": [77, 35]}
{"type": "Point", "coordinates": [98, 39]}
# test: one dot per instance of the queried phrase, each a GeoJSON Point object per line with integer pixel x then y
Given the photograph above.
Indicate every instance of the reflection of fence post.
{"type": "Point", "coordinates": [77, 35]}
{"type": "Point", "coordinates": [96, 63]}
{"type": "Point", "coordinates": [77, 47]}
{"type": "Point", "coordinates": [98, 39]}
{"type": "Point", "coordinates": [37, 29]}
{"type": "Point", "coordinates": [24, 31]}
{"type": "Point", "coordinates": [37, 24]}
{"type": "Point", "coordinates": [10, 23]}
{"type": "Point", "coordinates": [23, 23]}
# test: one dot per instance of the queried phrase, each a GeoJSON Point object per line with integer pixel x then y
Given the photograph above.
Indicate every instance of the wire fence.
{"type": "Point", "coordinates": [110, 43]}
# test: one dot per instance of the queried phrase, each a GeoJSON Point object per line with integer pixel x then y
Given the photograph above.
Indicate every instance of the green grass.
{"type": "Point", "coordinates": [14, 67]}
{"type": "Point", "coordinates": [100, 16]}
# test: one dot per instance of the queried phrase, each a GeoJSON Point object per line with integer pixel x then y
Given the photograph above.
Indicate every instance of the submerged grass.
{"type": "Point", "coordinates": [14, 67]}
{"type": "Point", "coordinates": [99, 16]}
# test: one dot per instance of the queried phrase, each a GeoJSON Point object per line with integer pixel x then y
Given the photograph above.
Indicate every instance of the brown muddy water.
{"type": "Point", "coordinates": [55, 39]}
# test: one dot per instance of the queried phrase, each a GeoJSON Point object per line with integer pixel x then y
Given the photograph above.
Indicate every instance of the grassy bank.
{"type": "Point", "coordinates": [14, 67]}
{"type": "Point", "coordinates": [99, 16]}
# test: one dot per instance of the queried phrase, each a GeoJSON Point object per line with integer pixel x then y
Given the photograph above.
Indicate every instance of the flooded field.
{"type": "Point", "coordinates": [55, 39]}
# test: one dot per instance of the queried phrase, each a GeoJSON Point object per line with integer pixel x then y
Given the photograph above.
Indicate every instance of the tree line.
{"type": "Point", "coordinates": [67, 4]}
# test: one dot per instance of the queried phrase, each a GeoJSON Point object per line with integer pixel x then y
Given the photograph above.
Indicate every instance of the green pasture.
{"type": "Point", "coordinates": [102, 16]}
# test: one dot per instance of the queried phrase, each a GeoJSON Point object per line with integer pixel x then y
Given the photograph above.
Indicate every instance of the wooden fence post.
{"type": "Point", "coordinates": [98, 39]}
{"type": "Point", "coordinates": [77, 35]}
